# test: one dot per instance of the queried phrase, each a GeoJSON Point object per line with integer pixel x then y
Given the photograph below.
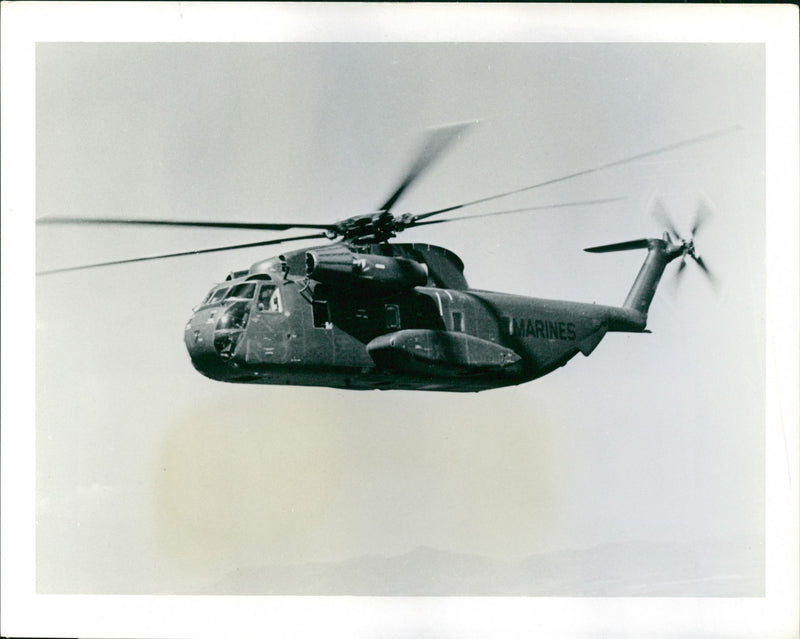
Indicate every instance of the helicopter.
{"type": "Point", "coordinates": [365, 313]}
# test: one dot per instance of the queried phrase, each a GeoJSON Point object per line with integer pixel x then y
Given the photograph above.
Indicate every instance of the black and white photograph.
{"type": "Point", "coordinates": [424, 323]}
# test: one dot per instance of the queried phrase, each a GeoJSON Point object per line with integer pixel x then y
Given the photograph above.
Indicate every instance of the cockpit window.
{"type": "Point", "coordinates": [246, 290]}
{"type": "Point", "coordinates": [216, 297]}
{"type": "Point", "coordinates": [207, 297]}
{"type": "Point", "coordinates": [269, 300]}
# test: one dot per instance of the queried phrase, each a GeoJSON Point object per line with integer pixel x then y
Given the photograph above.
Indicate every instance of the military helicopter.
{"type": "Point", "coordinates": [367, 313]}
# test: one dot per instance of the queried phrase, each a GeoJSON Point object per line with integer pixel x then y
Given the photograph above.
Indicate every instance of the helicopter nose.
{"type": "Point", "coordinates": [198, 335]}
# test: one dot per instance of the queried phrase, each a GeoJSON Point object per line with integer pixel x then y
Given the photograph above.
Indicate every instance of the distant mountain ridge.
{"type": "Point", "coordinates": [719, 569]}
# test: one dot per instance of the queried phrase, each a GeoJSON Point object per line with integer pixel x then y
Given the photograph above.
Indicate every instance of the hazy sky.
{"type": "Point", "coordinates": [151, 477]}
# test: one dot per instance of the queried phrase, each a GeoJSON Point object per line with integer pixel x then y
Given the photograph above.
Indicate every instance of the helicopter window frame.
{"type": "Point", "coordinates": [235, 291]}
{"type": "Point", "coordinates": [217, 296]}
{"type": "Point", "coordinates": [458, 321]}
{"type": "Point", "coordinates": [271, 303]}
{"type": "Point", "coordinates": [230, 327]}
{"type": "Point", "coordinates": [391, 314]}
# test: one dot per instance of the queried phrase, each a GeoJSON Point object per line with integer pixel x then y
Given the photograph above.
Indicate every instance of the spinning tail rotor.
{"type": "Point", "coordinates": [674, 246]}
{"type": "Point", "coordinates": [701, 216]}
{"type": "Point", "coordinates": [660, 252]}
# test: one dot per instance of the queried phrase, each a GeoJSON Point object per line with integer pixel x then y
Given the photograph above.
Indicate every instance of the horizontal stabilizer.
{"type": "Point", "coordinates": [620, 246]}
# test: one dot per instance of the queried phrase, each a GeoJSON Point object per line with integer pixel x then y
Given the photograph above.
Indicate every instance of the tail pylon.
{"type": "Point", "coordinates": [660, 252]}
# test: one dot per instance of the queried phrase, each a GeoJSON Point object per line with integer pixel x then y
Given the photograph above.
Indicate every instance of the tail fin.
{"type": "Point", "coordinates": [659, 254]}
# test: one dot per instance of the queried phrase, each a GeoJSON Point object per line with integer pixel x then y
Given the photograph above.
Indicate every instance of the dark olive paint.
{"type": "Point", "coordinates": [398, 316]}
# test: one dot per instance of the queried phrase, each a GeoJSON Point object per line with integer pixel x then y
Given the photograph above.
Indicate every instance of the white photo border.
{"type": "Point", "coordinates": [27, 614]}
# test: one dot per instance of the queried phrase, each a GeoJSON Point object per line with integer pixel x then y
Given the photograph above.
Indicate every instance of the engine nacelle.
{"type": "Point", "coordinates": [339, 265]}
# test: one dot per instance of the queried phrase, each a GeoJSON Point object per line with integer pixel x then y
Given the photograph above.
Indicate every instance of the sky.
{"type": "Point", "coordinates": [151, 478]}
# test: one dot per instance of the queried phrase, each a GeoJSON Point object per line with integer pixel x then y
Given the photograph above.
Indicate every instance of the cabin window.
{"type": "Point", "coordinates": [321, 312]}
{"type": "Point", "coordinates": [246, 291]}
{"type": "Point", "coordinates": [458, 321]}
{"type": "Point", "coordinates": [506, 325]}
{"type": "Point", "coordinates": [392, 314]}
{"type": "Point", "coordinates": [269, 300]}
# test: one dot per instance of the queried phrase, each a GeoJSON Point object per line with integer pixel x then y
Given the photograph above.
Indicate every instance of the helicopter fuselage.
{"type": "Point", "coordinates": [270, 326]}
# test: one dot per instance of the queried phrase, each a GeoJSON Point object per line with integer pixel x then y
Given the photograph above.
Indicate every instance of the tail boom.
{"type": "Point", "coordinates": [659, 254]}
{"type": "Point", "coordinates": [632, 316]}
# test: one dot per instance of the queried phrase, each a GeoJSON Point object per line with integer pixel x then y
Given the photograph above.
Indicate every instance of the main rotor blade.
{"type": "Point", "coordinates": [252, 226]}
{"type": "Point", "coordinates": [524, 210]}
{"type": "Point", "coordinates": [196, 252]}
{"type": "Point", "coordinates": [435, 142]}
{"type": "Point", "coordinates": [628, 160]}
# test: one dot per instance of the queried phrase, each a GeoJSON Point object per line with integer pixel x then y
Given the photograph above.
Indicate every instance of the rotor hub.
{"type": "Point", "coordinates": [373, 228]}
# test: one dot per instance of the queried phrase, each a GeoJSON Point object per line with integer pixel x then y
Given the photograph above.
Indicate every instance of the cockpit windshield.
{"type": "Point", "coordinates": [269, 298]}
{"type": "Point", "coordinates": [246, 291]}
{"type": "Point", "coordinates": [216, 296]}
